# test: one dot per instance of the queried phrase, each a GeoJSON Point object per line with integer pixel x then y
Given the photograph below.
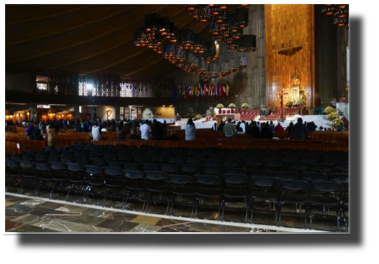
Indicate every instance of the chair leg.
{"type": "Point", "coordinates": [51, 193]}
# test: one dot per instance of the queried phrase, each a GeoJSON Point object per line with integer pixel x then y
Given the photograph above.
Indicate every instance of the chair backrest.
{"type": "Point", "coordinates": [133, 174]}
{"type": "Point", "coordinates": [190, 168]}
{"type": "Point", "coordinates": [314, 176]}
{"type": "Point", "coordinates": [234, 179]}
{"type": "Point", "coordinates": [74, 167]}
{"type": "Point", "coordinates": [150, 166]}
{"type": "Point", "coordinates": [260, 173]}
{"type": "Point", "coordinates": [260, 182]}
{"type": "Point", "coordinates": [12, 164]}
{"type": "Point", "coordinates": [97, 162]}
{"type": "Point", "coordinates": [41, 166]}
{"type": "Point", "coordinates": [131, 166]}
{"type": "Point", "coordinates": [232, 163]}
{"type": "Point", "coordinates": [112, 163]}
{"type": "Point", "coordinates": [57, 165]}
{"type": "Point", "coordinates": [194, 160]}
{"type": "Point", "coordinates": [235, 170]}
{"type": "Point", "coordinates": [294, 185]}
{"type": "Point", "coordinates": [91, 169]}
{"type": "Point", "coordinates": [287, 175]}
{"type": "Point", "coordinates": [26, 164]}
{"type": "Point", "coordinates": [327, 187]}
{"type": "Point", "coordinates": [155, 175]}
{"type": "Point", "coordinates": [169, 168]}
{"type": "Point", "coordinates": [207, 180]}
{"type": "Point", "coordinates": [213, 170]}
{"type": "Point", "coordinates": [180, 179]}
{"type": "Point", "coordinates": [112, 172]}
{"type": "Point", "coordinates": [339, 177]}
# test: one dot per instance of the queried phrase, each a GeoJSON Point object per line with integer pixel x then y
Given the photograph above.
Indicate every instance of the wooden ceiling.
{"type": "Point", "coordinates": [87, 39]}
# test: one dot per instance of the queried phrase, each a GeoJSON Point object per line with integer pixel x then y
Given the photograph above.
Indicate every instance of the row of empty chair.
{"type": "Point", "coordinates": [148, 186]}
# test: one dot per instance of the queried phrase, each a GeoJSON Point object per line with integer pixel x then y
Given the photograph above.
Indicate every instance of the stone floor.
{"type": "Point", "coordinates": [25, 213]}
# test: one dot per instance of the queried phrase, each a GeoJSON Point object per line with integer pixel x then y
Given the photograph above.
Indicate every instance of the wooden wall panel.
{"type": "Point", "coordinates": [286, 26]}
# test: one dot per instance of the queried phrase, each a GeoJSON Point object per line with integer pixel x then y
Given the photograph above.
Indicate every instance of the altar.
{"type": "Point", "coordinates": [343, 108]}
{"type": "Point", "coordinates": [235, 117]}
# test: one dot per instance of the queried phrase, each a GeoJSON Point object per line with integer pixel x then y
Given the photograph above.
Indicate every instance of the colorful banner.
{"type": "Point", "coordinates": [190, 91]}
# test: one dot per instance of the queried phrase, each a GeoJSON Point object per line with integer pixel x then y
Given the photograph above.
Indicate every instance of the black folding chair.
{"type": "Point", "coordinates": [43, 175]}
{"type": "Point", "coordinates": [181, 185]}
{"type": "Point", "coordinates": [76, 179]}
{"type": "Point", "coordinates": [94, 181]}
{"type": "Point", "coordinates": [190, 169]}
{"type": "Point", "coordinates": [59, 176]}
{"type": "Point", "coordinates": [28, 175]}
{"type": "Point", "coordinates": [207, 186]}
{"type": "Point", "coordinates": [156, 183]}
{"type": "Point", "coordinates": [13, 171]}
{"type": "Point", "coordinates": [115, 183]}
{"type": "Point", "coordinates": [135, 183]}
{"type": "Point", "coordinates": [293, 192]}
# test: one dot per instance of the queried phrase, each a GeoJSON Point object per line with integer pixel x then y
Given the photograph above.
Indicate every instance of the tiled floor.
{"type": "Point", "coordinates": [39, 214]}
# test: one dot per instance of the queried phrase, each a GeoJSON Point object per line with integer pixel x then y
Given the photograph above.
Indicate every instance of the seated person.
{"type": "Point", "coordinates": [229, 129]}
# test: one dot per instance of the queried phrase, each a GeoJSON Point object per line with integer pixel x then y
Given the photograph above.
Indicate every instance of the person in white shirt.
{"type": "Point", "coordinates": [190, 130]}
{"type": "Point", "coordinates": [96, 132]}
{"type": "Point", "coordinates": [243, 127]}
{"type": "Point", "coordinates": [145, 131]}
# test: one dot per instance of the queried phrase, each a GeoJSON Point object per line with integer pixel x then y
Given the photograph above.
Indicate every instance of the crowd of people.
{"type": "Point", "coordinates": [265, 129]}
{"type": "Point", "coordinates": [155, 130]}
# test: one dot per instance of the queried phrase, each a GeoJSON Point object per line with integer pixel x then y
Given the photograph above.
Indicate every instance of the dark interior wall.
{"type": "Point", "coordinates": [24, 82]}
{"type": "Point", "coordinates": [326, 57]}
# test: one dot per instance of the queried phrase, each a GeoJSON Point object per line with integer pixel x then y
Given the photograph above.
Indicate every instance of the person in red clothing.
{"type": "Point", "coordinates": [279, 128]}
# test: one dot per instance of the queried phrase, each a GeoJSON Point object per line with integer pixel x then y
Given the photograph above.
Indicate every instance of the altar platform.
{"type": "Point", "coordinates": [319, 120]}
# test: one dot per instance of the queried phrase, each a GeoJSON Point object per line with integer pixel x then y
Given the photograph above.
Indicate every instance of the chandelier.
{"type": "Point", "coordinates": [191, 51]}
{"type": "Point", "coordinates": [340, 13]}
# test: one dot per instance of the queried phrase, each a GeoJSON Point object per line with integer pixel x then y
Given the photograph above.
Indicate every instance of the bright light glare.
{"type": "Point", "coordinates": [89, 86]}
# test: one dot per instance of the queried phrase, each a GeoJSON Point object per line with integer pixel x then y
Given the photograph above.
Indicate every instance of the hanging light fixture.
{"type": "Point", "coordinates": [229, 40]}
{"type": "Point", "coordinates": [223, 6]}
{"type": "Point", "coordinates": [221, 17]}
{"type": "Point", "coordinates": [139, 37]}
{"type": "Point", "coordinates": [247, 43]}
{"type": "Point", "coordinates": [204, 13]}
{"type": "Point", "coordinates": [340, 21]}
{"type": "Point", "coordinates": [342, 11]}
{"type": "Point", "coordinates": [219, 38]}
{"type": "Point", "coordinates": [191, 7]}
{"type": "Point", "coordinates": [328, 9]}
{"type": "Point", "coordinates": [215, 10]}
{"type": "Point", "coordinates": [231, 20]}
{"type": "Point", "coordinates": [198, 42]}
{"type": "Point", "coordinates": [152, 22]}
{"type": "Point", "coordinates": [187, 39]}
{"type": "Point", "coordinates": [232, 46]}
{"type": "Point", "coordinates": [238, 34]}
{"type": "Point", "coordinates": [164, 26]}
{"type": "Point", "coordinates": [242, 17]}
{"type": "Point", "coordinates": [214, 28]}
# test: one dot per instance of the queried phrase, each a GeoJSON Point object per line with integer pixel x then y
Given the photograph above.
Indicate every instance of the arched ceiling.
{"type": "Point", "coordinates": [87, 39]}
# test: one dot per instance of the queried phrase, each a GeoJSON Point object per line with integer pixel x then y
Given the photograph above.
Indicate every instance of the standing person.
{"type": "Point", "coordinates": [120, 132]}
{"type": "Point", "coordinates": [96, 132]}
{"type": "Point", "coordinates": [215, 127]}
{"type": "Point", "coordinates": [77, 125]}
{"type": "Point", "coordinates": [133, 132]}
{"type": "Point", "coordinates": [299, 130]}
{"type": "Point", "coordinates": [37, 135]}
{"type": "Point", "coordinates": [289, 128]}
{"type": "Point", "coordinates": [190, 130]}
{"type": "Point", "coordinates": [51, 136]}
{"type": "Point", "coordinates": [177, 117]}
{"type": "Point", "coordinates": [221, 126]}
{"type": "Point", "coordinates": [229, 129]}
{"type": "Point", "coordinates": [279, 128]}
{"type": "Point", "coordinates": [266, 131]}
{"type": "Point", "coordinates": [242, 127]}
{"type": "Point", "coordinates": [253, 130]}
{"type": "Point", "coordinates": [145, 131]}
{"type": "Point", "coordinates": [272, 126]}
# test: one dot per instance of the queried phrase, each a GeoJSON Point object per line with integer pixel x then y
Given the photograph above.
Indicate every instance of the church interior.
{"type": "Point", "coordinates": [166, 64]}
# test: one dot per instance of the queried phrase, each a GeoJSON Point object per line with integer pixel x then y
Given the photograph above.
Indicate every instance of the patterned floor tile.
{"type": "Point", "coordinates": [67, 226]}
{"type": "Point", "coordinates": [147, 220]}
{"type": "Point", "coordinates": [11, 224]}
{"type": "Point", "coordinates": [8, 203]}
{"type": "Point", "coordinates": [145, 228]}
{"type": "Point", "coordinates": [25, 228]}
{"type": "Point", "coordinates": [117, 225]}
